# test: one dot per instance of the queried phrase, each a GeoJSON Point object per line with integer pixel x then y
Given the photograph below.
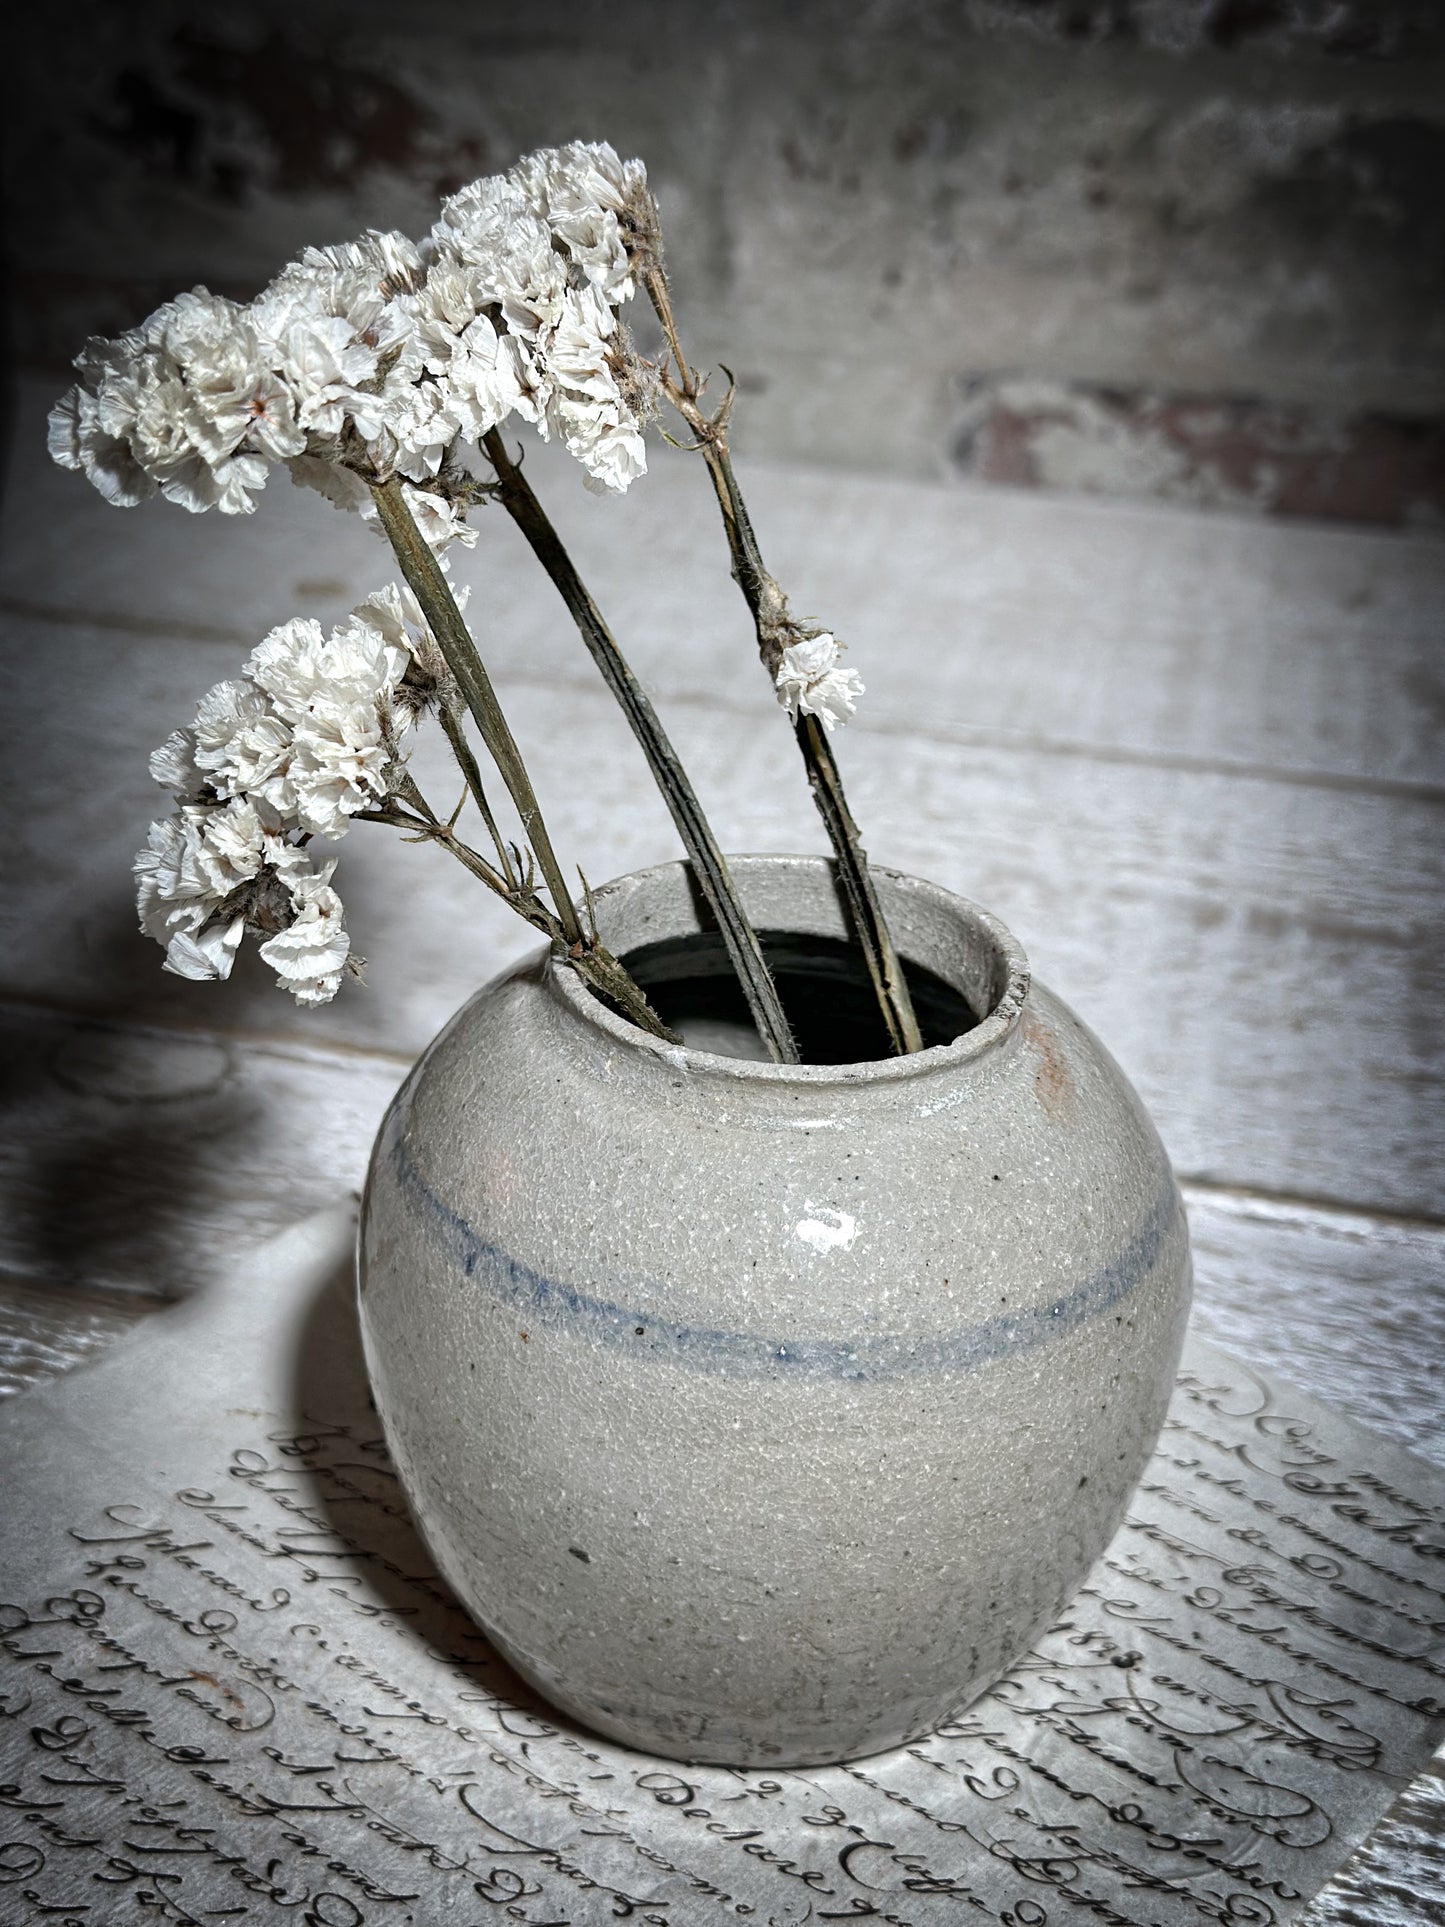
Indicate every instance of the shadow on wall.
{"type": "Point", "coordinates": [1182, 249]}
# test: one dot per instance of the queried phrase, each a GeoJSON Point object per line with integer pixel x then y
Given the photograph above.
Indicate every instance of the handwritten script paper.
{"type": "Point", "coordinates": [234, 1691]}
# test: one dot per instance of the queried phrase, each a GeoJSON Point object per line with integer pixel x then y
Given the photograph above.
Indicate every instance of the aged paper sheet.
{"type": "Point", "coordinates": [233, 1689]}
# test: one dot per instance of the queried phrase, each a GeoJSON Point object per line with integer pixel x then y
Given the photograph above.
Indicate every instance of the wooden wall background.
{"type": "Point", "coordinates": [1179, 249]}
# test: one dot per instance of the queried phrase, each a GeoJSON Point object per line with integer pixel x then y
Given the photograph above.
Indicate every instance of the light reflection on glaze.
{"type": "Point", "coordinates": [825, 1229]}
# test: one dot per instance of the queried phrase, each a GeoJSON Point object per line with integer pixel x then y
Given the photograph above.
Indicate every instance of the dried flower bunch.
{"type": "Point", "coordinates": [380, 373]}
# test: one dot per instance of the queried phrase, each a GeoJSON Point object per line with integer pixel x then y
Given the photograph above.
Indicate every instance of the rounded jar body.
{"type": "Point", "coordinates": [764, 1414]}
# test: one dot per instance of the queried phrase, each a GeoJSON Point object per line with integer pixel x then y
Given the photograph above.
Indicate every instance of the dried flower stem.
{"type": "Point", "coordinates": [597, 966]}
{"type": "Point", "coordinates": [456, 735]}
{"type": "Point", "coordinates": [769, 607]}
{"type": "Point", "coordinates": [708, 862]}
{"type": "Point", "coordinates": [429, 585]}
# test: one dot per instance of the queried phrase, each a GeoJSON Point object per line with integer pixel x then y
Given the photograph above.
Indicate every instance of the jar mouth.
{"type": "Point", "coordinates": [967, 949]}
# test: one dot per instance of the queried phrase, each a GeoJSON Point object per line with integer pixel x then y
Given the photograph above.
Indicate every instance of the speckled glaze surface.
{"type": "Point", "coordinates": [760, 1414]}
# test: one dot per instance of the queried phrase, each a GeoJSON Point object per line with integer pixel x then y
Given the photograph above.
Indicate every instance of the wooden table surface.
{"type": "Point", "coordinates": [1193, 760]}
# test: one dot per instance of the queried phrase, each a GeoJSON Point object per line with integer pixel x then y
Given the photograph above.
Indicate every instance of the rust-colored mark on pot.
{"type": "Point", "coordinates": [1053, 1086]}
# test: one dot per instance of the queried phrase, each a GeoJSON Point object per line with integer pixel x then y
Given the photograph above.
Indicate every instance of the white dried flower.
{"type": "Point", "coordinates": [396, 615]}
{"type": "Point", "coordinates": [310, 954]}
{"type": "Point", "coordinates": [211, 869]}
{"type": "Point", "coordinates": [171, 891]}
{"type": "Point", "coordinates": [356, 286]}
{"type": "Point", "coordinates": [243, 745]}
{"type": "Point", "coordinates": [505, 331]}
{"type": "Point", "coordinates": [606, 441]}
{"type": "Point", "coordinates": [530, 278]}
{"type": "Point", "coordinates": [502, 326]}
{"type": "Point", "coordinates": [234, 843]}
{"type": "Point", "coordinates": [192, 864]}
{"type": "Point", "coordinates": [207, 956]}
{"type": "Point", "coordinates": [441, 522]}
{"type": "Point", "coordinates": [181, 404]}
{"type": "Point", "coordinates": [478, 375]}
{"type": "Point", "coordinates": [77, 438]}
{"type": "Point", "coordinates": [336, 695]}
{"type": "Point", "coordinates": [588, 408]}
{"type": "Point", "coordinates": [235, 396]}
{"type": "Point", "coordinates": [339, 770]}
{"type": "Point", "coordinates": [340, 336]}
{"type": "Point", "coordinates": [194, 328]}
{"type": "Point", "coordinates": [202, 397]}
{"type": "Point", "coordinates": [472, 217]}
{"type": "Point", "coordinates": [488, 229]}
{"type": "Point", "coordinates": [289, 665]}
{"type": "Point", "coordinates": [318, 322]}
{"type": "Point", "coordinates": [580, 190]}
{"type": "Point", "coordinates": [174, 766]}
{"type": "Point", "coordinates": [811, 682]}
{"type": "Point", "coordinates": [420, 421]}
{"type": "Point", "coordinates": [169, 438]}
{"type": "Point", "coordinates": [579, 347]}
{"type": "Point", "coordinates": [324, 366]}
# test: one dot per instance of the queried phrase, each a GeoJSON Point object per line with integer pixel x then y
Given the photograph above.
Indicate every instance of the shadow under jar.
{"type": "Point", "coordinates": [764, 1414]}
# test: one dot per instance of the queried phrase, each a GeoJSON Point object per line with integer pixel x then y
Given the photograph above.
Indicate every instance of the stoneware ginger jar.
{"type": "Point", "coordinates": [763, 1414]}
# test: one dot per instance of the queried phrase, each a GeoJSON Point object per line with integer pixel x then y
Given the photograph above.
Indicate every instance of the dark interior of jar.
{"type": "Point", "coordinates": [824, 987]}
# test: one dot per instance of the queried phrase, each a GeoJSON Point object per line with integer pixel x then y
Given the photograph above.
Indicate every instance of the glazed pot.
{"type": "Point", "coordinates": [764, 1414]}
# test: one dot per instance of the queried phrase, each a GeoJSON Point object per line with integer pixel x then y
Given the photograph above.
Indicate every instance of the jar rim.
{"type": "Point", "coordinates": [994, 942]}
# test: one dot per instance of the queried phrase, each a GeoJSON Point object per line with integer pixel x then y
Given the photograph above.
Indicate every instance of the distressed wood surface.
{"type": "Point", "coordinates": [1194, 762]}
{"type": "Point", "coordinates": [1289, 935]}
{"type": "Point", "coordinates": [1347, 1306]}
{"type": "Point", "coordinates": [1182, 247]}
{"type": "Point", "coordinates": [1397, 1878]}
{"type": "Point", "coordinates": [44, 1332]}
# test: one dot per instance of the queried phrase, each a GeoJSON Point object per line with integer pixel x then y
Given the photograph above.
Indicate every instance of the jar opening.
{"type": "Point", "coordinates": [965, 969]}
{"type": "Point", "coordinates": [824, 986]}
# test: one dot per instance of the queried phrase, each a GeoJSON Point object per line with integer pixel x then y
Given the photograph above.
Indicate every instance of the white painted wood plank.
{"type": "Point", "coordinates": [988, 613]}
{"type": "Point", "coordinates": [1397, 1879]}
{"type": "Point", "coordinates": [45, 1331]}
{"type": "Point", "coordinates": [1263, 958]}
{"type": "Point", "coordinates": [1349, 1308]}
